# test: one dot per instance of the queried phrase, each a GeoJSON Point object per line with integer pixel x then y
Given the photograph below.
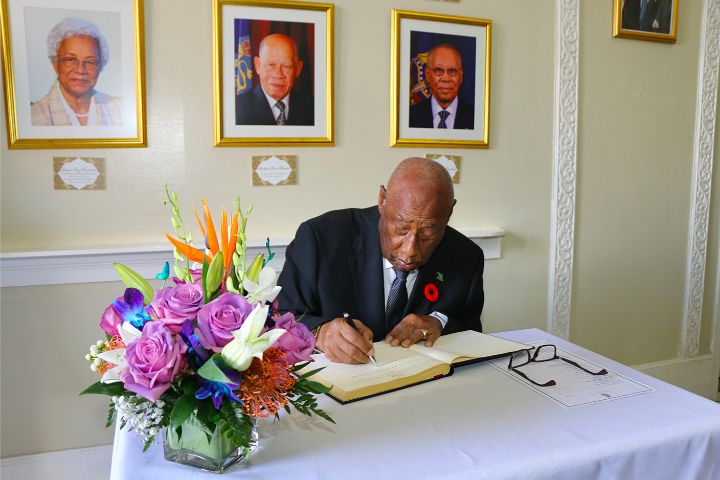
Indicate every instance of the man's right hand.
{"type": "Point", "coordinates": [342, 344]}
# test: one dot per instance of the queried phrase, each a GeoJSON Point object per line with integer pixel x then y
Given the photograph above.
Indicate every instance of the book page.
{"type": "Point", "coordinates": [394, 363]}
{"type": "Point", "coordinates": [467, 345]}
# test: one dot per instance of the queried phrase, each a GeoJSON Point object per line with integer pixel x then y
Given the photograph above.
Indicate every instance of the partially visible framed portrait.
{"type": "Point", "coordinates": [440, 81]}
{"type": "Point", "coordinates": [272, 73]}
{"type": "Point", "coordinates": [74, 73]}
{"type": "Point", "coordinates": [654, 20]}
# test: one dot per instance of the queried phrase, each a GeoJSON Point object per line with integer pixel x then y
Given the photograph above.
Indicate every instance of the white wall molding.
{"type": "Point", "coordinates": [705, 117]}
{"type": "Point", "coordinates": [96, 265]}
{"type": "Point", "coordinates": [92, 462]}
{"type": "Point", "coordinates": [693, 374]}
{"type": "Point", "coordinates": [562, 221]}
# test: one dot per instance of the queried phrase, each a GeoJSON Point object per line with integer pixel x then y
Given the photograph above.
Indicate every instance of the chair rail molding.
{"type": "Point", "coordinates": [57, 267]}
{"type": "Point", "coordinates": [565, 128]}
{"type": "Point", "coordinates": [704, 140]}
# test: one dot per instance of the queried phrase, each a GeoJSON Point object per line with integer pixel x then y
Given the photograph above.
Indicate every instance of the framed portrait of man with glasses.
{"type": "Point", "coordinates": [444, 101]}
{"type": "Point", "coordinates": [273, 73]}
{"type": "Point", "coordinates": [74, 73]}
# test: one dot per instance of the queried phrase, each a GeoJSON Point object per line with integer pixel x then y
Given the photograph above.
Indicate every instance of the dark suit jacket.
{"type": "Point", "coordinates": [252, 108]}
{"type": "Point", "coordinates": [421, 116]}
{"type": "Point", "coordinates": [660, 10]}
{"type": "Point", "coordinates": [334, 265]}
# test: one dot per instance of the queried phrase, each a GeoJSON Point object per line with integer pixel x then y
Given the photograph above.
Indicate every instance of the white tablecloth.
{"type": "Point", "coordinates": [477, 424]}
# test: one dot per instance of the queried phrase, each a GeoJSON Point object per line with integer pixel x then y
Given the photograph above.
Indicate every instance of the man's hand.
{"type": "Point", "coordinates": [342, 344]}
{"type": "Point", "coordinates": [410, 331]}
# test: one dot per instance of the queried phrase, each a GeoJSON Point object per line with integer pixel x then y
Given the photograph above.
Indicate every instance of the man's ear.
{"type": "Point", "coordinates": [298, 68]}
{"type": "Point", "coordinates": [256, 62]}
{"type": "Point", "coordinates": [451, 208]}
{"type": "Point", "coordinates": [381, 198]}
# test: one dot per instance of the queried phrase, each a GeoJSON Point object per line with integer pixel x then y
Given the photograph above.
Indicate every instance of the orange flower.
{"type": "Point", "coordinates": [265, 384]}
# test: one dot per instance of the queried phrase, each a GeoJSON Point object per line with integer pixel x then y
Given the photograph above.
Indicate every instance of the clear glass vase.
{"type": "Point", "coordinates": [197, 447]}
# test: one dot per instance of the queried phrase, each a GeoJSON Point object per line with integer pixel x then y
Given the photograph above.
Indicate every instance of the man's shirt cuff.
{"type": "Point", "coordinates": [441, 317]}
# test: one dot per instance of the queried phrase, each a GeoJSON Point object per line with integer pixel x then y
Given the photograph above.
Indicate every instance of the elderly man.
{"type": "Point", "coordinates": [273, 102]}
{"type": "Point", "coordinates": [444, 109]}
{"type": "Point", "coordinates": [78, 53]}
{"type": "Point", "coordinates": [397, 269]}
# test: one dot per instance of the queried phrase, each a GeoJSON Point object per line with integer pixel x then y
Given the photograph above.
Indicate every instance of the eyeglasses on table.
{"type": "Point", "coordinates": [542, 353]}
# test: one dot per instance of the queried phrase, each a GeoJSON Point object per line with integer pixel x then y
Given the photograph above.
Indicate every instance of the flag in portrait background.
{"type": "Point", "coordinates": [243, 57]}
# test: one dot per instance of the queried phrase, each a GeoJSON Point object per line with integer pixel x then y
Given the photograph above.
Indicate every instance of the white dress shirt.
{"type": "Point", "coordinates": [276, 110]}
{"type": "Point", "coordinates": [451, 109]}
{"type": "Point", "coordinates": [389, 277]}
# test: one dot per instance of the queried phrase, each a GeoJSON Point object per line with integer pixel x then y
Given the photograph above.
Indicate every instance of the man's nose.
{"type": "Point", "coordinates": [409, 247]}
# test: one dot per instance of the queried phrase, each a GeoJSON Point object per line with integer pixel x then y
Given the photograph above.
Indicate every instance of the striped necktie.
{"type": "Point", "coordinates": [444, 114]}
{"type": "Point", "coordinates": [281, 119]}
{"type": "Point", "coordinates": [397, 299]}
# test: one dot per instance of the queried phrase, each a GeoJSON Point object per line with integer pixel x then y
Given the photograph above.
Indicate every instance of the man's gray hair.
{"type": "Point", "coordinates": [77, 27]}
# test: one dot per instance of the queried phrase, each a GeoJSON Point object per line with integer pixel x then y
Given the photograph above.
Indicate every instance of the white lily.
{"type": "Point", "coordinates": [265, 290]}
{"type": "Point", "coordinates": [247, 344]}
{"type": "Point", "coordinates": [128, 333]}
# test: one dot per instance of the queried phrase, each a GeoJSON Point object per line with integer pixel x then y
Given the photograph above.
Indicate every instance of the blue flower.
{"type": "Point", "coordinates": [195, 352]}
{"type": "Point", "coordinates": [218, 390]}
{"type": "Point", "coordinates": [132, 308]}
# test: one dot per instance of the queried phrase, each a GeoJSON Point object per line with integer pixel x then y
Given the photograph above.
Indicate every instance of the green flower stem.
{"type": "Point", "coordinates": [179, 227]}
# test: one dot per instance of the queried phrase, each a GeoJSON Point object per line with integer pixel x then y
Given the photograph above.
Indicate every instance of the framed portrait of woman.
{"type": "Point", "coordinates": [273, 73]}
{"type": "Point", "coordinates": [73, 72]}
{"type": "Point", "coordinates": [440, 80]}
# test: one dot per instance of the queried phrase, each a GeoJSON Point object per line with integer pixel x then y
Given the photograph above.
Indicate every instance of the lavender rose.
{"type": "Point", "coordinates": [298, 343]}
{"type": "Point", "coordinates": [153, 361]}
{"type": "Point", "coordinates": [174, 305]}
{"type": "Point", "coordinates": [111, 320]}
{"type": "Point", "coordinates": [219, 318]}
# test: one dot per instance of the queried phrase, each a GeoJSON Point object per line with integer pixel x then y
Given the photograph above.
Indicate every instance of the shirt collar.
{"type": "Point", "coordinates": [452, 108]}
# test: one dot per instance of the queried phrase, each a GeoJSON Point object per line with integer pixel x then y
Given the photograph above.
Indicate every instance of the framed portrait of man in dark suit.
{"type": "Point", "coordinates": [654, 20]}
{"type": "Point", "coordinates": [273, 73]}
{"type": "Point", "coordinates": [440, 80]}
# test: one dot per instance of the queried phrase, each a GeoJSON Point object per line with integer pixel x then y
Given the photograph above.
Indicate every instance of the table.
{"type": "Point", "coordinates": [480, 424]}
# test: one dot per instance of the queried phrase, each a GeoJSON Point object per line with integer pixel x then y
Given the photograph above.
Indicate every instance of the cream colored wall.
{"type": "Point", "coordinates": [506, 186]}
{"type": "Point", "coordinates": [632, 202]}
{"type": "Point", "coordinates": [637, 113]}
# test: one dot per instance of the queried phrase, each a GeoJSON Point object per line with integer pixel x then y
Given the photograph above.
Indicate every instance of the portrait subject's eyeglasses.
{"type": "Point", "coordinates": [71, 63]}
{"type": "Point", "coordinates": [542, 353]}
{"type": "Point", "coordinates": [439, 72]}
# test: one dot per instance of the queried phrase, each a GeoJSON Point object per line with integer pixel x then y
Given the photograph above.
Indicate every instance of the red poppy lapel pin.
{"type": "Point", "coordinates": [431, 292]}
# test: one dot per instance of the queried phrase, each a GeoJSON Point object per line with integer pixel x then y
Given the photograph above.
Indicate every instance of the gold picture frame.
{"type": "Point", "coordinates": [108, 86]}
{"type": "Point", "coordinates": [654, 20]}
{"type": "Point", "coordinates": [414, 89]}
{"type": "Point", "coordinates": [242, 110]}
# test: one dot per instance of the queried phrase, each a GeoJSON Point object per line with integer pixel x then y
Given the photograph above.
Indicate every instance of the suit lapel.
{"type": "Point", "coordinates": [367, 276]}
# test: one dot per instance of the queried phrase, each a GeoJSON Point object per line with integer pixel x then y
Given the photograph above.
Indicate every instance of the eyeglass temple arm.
{"type": "Point", "coordinates": [600, 372]}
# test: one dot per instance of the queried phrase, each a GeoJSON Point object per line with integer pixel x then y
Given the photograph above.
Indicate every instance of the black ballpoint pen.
{"type": "Point", "coordinates": [349, 321]}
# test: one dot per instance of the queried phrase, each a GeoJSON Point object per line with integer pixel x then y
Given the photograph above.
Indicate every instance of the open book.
{"type": "Point", "coordinates": [399, 367]}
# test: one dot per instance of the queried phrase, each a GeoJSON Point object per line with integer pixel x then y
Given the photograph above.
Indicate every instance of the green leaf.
{"type": "Point", "coordinates": [110, 416]}
{"type": "Point", "coordinates": [211, 371]}
{"type": "Point", "coordinates": [316, 387]}
{"type": "Point", "coordinates": [132, 279]}
{"type": "Point", "coordinates": [183, 408]}
{"type": "Point", "coordinates": [112, 389]}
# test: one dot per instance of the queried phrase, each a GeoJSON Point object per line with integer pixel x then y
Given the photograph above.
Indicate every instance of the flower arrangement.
{"type": "Point", "coordinates": [205, 356]}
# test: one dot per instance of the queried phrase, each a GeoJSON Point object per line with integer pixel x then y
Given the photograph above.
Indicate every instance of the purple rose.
{"type": "Point", "coordinates": [111, 320]}
{"type": "Point", "coordinates": [174, 305]}
{"type": "Point", "coordinates": [217, 319]}
{"type": "Point", "coordinates": [153, 361]}
{"type": "Point", "coordinates": [298, 343]}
